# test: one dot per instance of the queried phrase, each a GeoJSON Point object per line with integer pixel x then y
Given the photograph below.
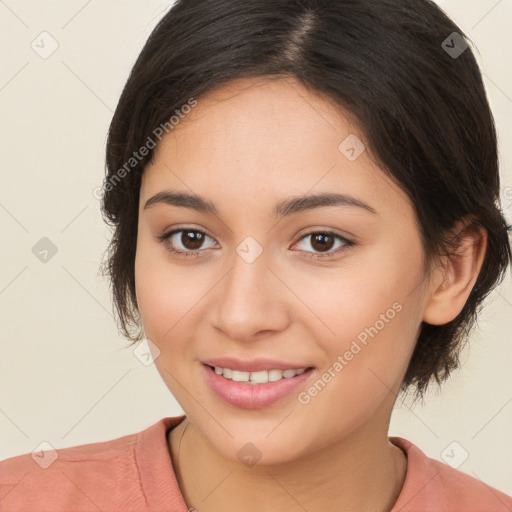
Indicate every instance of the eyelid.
{"type": "Point", "coordinates": [345, 235]}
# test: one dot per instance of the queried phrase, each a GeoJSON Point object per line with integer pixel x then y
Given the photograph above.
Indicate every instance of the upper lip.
{"type": "Point", "coordinates": [252, 365]}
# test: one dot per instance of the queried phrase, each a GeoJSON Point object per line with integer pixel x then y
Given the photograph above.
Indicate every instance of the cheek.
{"type": "Point", "coordinates": [171, 299]}
{"type": "Point", "coordinates": [364, 363]}
{"type": "Point", "coordinates": [352, 296]}
{"type": "Point", "coordinates": [163, 296]}
{"type": "Point", "coordinates": [370, 312]}
{"type": "Point", "coordinates": [166, 299]}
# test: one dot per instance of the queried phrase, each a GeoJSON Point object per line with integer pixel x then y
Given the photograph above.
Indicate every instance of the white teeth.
{"type": "Point", "coordinates": [239, 376]}
{"type": "Point", "coordinates": [274, 375]}
{"type": "Point", "coordinates": [260, 377]}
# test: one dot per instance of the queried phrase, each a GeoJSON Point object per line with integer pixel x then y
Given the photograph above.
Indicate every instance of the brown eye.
{"type": "Point", "coordinates": [322, 243]}
{"type": "Point", "coordinates": [186, 242]}
{"type": "Point", "coordinates": [192, 240]}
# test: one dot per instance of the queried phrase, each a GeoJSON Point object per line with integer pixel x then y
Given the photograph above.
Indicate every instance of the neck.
{"type": "Point", "coordinates": [363, 471]}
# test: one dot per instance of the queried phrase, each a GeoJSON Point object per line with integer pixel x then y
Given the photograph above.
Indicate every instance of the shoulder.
{"type": "Point", "coordinates": [77, 474]}
{"type": "Point", "coordinates": [434, 485]}
{"type": "Point", "coordinates": [81, 478]}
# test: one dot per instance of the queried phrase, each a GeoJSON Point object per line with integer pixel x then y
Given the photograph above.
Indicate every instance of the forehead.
{"type": "Point", "coordinates": [264, 119]}
{"type": "Point", "coordinates": [252, 138]}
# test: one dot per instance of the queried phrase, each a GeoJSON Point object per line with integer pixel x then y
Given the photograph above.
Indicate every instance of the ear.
{"type": "Point", "coordinates": [458, 273]}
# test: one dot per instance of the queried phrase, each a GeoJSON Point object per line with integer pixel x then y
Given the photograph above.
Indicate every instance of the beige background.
{"type": "Point", "coordinates": [65, 376]}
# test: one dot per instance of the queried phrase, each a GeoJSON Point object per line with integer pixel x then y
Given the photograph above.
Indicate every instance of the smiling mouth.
{"type": "Point", "coordinates": [258, 377]}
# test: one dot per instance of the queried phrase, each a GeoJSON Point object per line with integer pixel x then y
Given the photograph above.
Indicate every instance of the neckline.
{"type": "Point", "coordinates": [153, 459]}
{"type": "Point", "coordinates": [158, 477]}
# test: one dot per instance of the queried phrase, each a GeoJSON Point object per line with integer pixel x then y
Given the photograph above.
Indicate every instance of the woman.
{"type": "Point", "coordinates": [305, 202]}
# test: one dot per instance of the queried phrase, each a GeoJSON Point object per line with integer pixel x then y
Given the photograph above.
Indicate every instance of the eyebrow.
{"type": "Point", "coordinates": [287, 207]}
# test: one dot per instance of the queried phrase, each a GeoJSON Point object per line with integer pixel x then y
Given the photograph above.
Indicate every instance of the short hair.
{"type": "Point", "coordinates": [403, 68]}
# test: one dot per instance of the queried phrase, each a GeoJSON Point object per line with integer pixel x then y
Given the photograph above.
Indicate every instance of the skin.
{"type": "Point", "coordinates": [245, 147]}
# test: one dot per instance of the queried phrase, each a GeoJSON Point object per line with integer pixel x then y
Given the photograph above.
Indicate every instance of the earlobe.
{"type": "Point", "coordinates": [460, 271]}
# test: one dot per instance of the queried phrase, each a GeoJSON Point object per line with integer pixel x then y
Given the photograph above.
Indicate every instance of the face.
{"type": "Point", "coordinates": [335, 288]}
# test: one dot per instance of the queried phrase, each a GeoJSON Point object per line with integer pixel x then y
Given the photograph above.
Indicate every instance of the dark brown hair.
{"type": "Point", "coordinates": [391, 63]}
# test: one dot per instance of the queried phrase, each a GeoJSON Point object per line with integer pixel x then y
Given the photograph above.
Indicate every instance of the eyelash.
{"type": "Point", "coordinates": [315, 256]}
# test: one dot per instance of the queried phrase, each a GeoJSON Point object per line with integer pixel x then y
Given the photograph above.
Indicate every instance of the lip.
{"type": "Point", "coordinates": [253, 365]}
{"type": "Point", "coordinates": [253, 396]}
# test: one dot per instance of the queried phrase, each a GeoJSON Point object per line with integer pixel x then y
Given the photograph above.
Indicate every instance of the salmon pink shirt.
{"type": "Point", "coordinates": [135, 473]}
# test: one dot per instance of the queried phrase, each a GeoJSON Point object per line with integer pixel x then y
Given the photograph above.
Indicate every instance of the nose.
{"type": "Point", "coordinates": [251, 300]}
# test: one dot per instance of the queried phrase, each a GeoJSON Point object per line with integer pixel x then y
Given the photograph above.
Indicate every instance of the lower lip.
{"type": "Point", "coordinates": [253, 396]}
